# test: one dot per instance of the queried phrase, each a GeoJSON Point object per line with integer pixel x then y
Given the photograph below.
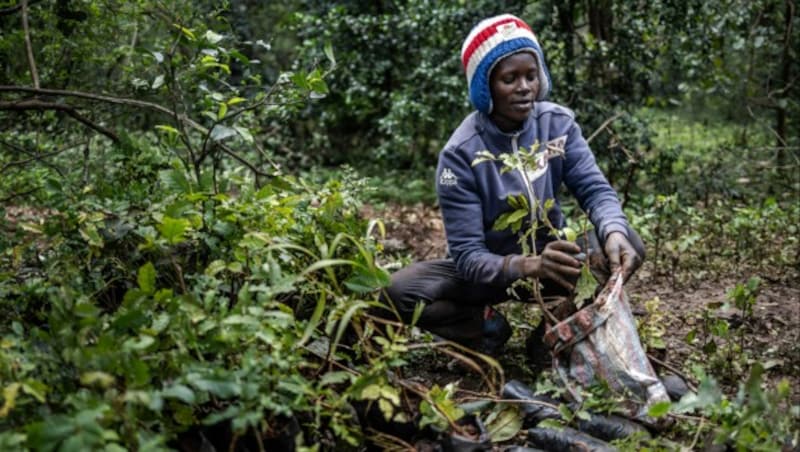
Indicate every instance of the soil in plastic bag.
{"type": "Point", "coordinates": [600, 342]}
{"type": "Point", "coordinates": [566, 440]}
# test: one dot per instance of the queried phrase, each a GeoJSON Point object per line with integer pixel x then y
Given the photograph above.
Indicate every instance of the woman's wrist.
{"type": "Point", "coordinates": [531, 266]}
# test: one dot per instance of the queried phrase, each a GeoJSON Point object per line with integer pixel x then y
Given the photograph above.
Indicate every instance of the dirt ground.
{"type": "Point", "coordinates": [772, 336]}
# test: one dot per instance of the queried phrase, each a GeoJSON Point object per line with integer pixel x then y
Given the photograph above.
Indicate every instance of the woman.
{"type": "Point", "coordinates": [508, 83]}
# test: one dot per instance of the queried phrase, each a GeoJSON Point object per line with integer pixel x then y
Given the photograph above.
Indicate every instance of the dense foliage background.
{"type": "Point", "coordinates": [180, 247]}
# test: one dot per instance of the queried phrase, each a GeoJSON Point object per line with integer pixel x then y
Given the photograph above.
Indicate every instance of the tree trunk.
{"type": "Point", "coordinates": [566, 19]}
{"type": "Point", "coordinates": [780, 117]}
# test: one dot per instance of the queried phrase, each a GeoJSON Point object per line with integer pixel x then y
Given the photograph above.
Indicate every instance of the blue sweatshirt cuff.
{"type": "Point", "coordinates": [613, 226]}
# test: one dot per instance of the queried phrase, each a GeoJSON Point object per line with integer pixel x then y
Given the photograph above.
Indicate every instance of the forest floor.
{"type": "Point", "coordinates": [771, 336]}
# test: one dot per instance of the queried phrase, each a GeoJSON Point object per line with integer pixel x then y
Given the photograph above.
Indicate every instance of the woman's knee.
{"type": "Point", "coordinates": [418, 282]}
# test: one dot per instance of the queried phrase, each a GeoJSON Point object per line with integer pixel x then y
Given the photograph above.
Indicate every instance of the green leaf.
{"type": "Point", "coordinates": [244, 132]}
{"type": "Point", "coordinates": [173, 229]}
{"type": "Point", "coordinates": [175, 180]}
{"type": "Point", "coordinates": [386, 408]}
{"type": "Point", "coordinates": [213, 37]}
{"type": "Point", "coordinates": [708, 394]}
{"type": "Point", "coordinates": [505, 425]}
{"type": "Point", "coordinates": [158, 82]}
{"type": "Point", "coordinates": [328, 49]}
{"type": "Point", "coordinates": [216, 385]}
{"type": "Point", "coordinates": [169, 129]}
{"type": "Point", "coordinates": [97, 378]}
{"type": "Point", "coordinates": [314, 320]}
{"type": "Point", "coordinates": [215, 267]}
{"type": "Point", "coordinates": [501, 222]}
{"type": "Point", "coordinates": [483, 156]}
{"type": "Point", "coordinates": [89, 233]}
{"type": "Point", "coordinates": [147, 278]}
{"type": "Point", "coordinates": [517, 215]}
{"type": "Point", "coordinates": [36, 389]}
{"type": "Point", "coordinates": [336, 377]}
{"type": "Point", "coordinates": [300, 80]}
{"type": "Point", "coordinates": [180, 392]}
{"type": "Point", "coordinates": [565, 412]}
{"type": "Point", "coordinates": [659, 409]}
{"type": "Point", "coordinates": [325, 263]}
{"type": "Point", "coordinates": [418, 308]}
{"type": "Point", "coordinates": [221, 132]}
{"type": "Point", "coordinates": [9, 398]}
{"type": "Point", "coordinates": [189, 34]}
{"type": "Point", "coordinates": [371, 392]}
{"type": "Point", "coordinates": [137, 344]}
{"type": "Point", "coordinates": [391, 394]}
{"type": "Point", "coordinates": [223, 110]}
{"type": "Point", "coordinates": [568, 233]}
{"type": "Point", "coordinates": [368, 279]}
{"type": "Point", "coordinates": [586, 285]}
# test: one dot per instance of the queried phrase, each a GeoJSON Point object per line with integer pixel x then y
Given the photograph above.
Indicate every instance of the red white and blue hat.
{"type": "Point", "coordinates": [489, 42]}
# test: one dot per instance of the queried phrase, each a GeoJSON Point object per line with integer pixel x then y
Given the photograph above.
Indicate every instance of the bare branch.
{"type": "Point", "coordinates": [28, 46]}
{"type": "Point", "coordinates": [35, 104]}
{"type": "Point", "coordinates": [90, 96]}
{"type": "Point", "coordinates": [241, 160]}
{"type": "Point", "coordinates": [781, 141]}
{"type": "Point", "coordinates": [36, 156]}
{"type": "Point", "coordinates": [603, 126]}
{"type": "Point", "coordinates": [29, 160]}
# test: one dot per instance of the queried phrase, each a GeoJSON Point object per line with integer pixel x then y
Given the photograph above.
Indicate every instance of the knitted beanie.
{"type": "Point", "coordinates": [489, 42]}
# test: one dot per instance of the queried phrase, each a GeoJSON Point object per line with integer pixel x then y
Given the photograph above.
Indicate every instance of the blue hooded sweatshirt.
{"type": "Point", "coordinates": [471, 198]}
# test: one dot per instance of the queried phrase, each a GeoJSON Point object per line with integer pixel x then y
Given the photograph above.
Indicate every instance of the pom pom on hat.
{"type": "Point", "coordinates": [489, 42]}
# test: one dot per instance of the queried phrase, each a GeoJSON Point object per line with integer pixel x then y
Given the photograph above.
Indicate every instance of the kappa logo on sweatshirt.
{"type": "Point", "coordinates": [448, 178]}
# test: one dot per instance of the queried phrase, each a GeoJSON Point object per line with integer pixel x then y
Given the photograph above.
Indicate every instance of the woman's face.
{"type": "Point", "coordinates": [514, 85]}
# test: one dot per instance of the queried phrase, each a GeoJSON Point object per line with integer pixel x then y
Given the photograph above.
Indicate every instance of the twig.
{"type": "Point", "coordinates": [773, 131]}
{"type": "Point", "coordinates": [603, 126]}
{"type": "Point", "coordinates": [39, 156]}
{"type": "Point", "coordinates": [28, 46]}
{"type": "Point", "coordinates": [96, 97]}
{"type": "Point", "coordinates": [697, 434]}
{"type": "Point", "coordinates": [687, 417]}
{"type": "Point", "coordinates": [445, 347]}
{"type": "Point", "coordinates": [179, 273]}
{"type": "Point", "coordinates": [391, 440]}
{"type": "Point", "coordinates": [35, 104]}
{"type": "Point", "coordinates": [241, 160]}
{"type": "Point", "coordinates": [29, 160]}
{"type": "Point", "coordinates": [672, 369]}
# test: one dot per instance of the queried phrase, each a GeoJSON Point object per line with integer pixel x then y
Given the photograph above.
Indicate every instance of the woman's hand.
{"type": "Point", "coordinates": [557, 262]}
{"type": "Point", "coordinates": [621, 254]}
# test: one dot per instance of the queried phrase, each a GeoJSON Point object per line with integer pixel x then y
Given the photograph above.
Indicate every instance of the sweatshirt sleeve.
{"type": "Point", "coordinates": [590, 187]}
{"type": "Point", "coordinates": [462, 213]}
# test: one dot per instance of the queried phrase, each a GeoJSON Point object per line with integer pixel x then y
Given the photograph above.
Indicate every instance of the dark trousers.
{"type": "Point", "coordinates": [453, 307]}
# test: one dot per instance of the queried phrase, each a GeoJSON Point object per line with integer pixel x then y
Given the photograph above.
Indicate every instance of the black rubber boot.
{"type": "Point", "coordinates": [496, 332]}
{"type": "Point", "coordinates": [538, 354]}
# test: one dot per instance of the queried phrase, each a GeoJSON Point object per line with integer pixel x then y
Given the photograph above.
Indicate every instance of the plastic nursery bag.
{"type": "Point", "coordinates": [600, 341]}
